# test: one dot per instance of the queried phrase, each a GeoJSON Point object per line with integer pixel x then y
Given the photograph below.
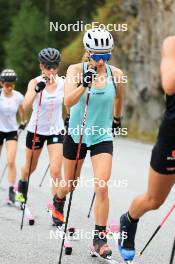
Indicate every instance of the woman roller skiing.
{"type": "Point", "coordinates": [106, 90]}
{"type": "Point", "coordinates": [47, 117]}
{"type": "Point", "coordinates": [162, 167]}
{"type": "Point", "coordinates": [10, 104]}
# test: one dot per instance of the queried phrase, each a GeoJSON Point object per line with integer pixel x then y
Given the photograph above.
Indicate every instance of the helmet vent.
{"type": "Point", "coordinates": [89, 35]}
{"type": "Point", "coordinates": [96, 41]}
{"type": "Point", "coordinates": [102, 42]}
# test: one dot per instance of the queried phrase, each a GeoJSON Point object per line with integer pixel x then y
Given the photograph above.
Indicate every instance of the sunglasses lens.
{"type": "Point", "coordinates": [98, 57]}
{"type": "Point", "coordinates": [49, 67]}
{"type": "Point", "coordinates": [108, 56]}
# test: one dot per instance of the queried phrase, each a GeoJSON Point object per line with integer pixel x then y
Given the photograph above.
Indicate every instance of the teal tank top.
{"type": "Point", "coordinates": [99, 114]}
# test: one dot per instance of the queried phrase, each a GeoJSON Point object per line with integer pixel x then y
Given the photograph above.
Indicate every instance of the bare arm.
{"type": "Point", "coordinates": [68, 110]}
{"type": "Point", "coordinates": [30, 95]}
{"type": "Point", "coordinates": [21, 114]}
{"type": "Point", "coordinates": [72, 92]}
{"type": "Point", "coordinates": [168, 66]}
{"type": "Point", "coordinates": [118, 101]}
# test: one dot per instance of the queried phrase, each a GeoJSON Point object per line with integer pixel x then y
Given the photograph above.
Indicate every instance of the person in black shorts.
{"type": "Point", "coordinates": [106, 90]}
{"type": "Point", "coordinates": [162, 166]}
{"type": "Point", "coordinates": [10, 104]}
{"type": "Point", "coordinates": [47, 117]}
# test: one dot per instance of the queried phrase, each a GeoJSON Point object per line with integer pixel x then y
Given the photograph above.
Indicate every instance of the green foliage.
{"type": "Point", "coordinates": [7, 11]}
{"type": "Point", "coordinates": [25, 30]}
{"type": "Point", "coordinates": [25, 41]}
{"type": "Point", "coordinates": [69, 12]}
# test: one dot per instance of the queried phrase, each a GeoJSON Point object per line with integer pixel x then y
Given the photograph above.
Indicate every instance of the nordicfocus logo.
{"type": "Point", "coordinates": [81, 234]}
{"type": "Point", "coordinates": [172, 157]}
{"type": "Point", "coordinates": [80, 26]}
{"type": "Point", "coordinates": [90, 131]}
{"type": "Point", "coordinates": [173, 154]}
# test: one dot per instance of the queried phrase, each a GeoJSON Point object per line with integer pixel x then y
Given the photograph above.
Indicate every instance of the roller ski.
{"type": "Point", "coordinates": [126, 244]}
{"type": "Point", "coordinates": [71, 231]}
{"type": "Point", "coordinates": [56, 210]}
{"type": "Point", "coordinates": [17, 200]}
{"type": "Point", "coordinates": [101, 249]}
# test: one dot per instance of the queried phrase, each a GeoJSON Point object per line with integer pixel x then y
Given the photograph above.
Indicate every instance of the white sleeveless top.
{"type": "Point", "coordinates": [8, 110]}
{"type": "Point", "coordinates": [50, 119]}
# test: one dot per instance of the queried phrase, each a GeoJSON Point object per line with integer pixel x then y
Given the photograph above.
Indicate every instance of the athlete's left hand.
{"type": "Point", "coordinates": [66, 122]}
{"type": "Point", "coordinates": [116, 124]}
{"type": "Point", "coordinates": [22, 125]}
{"type": "Point", "coordinates": [40, 87]}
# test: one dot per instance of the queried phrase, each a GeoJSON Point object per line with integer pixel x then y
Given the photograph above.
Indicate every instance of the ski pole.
{"type": "Point", "coordinates": [31, 160]}
{"type": "Point", "coordinates": [93, 198]}
{"type": "Point", "coordinates": [75, 168]}
{"type": "Point", "coordinates": [157, 229]}
{"type": "Point", "coordinates": [172, 253]}
{"type": "Point", "coordinates": [42, 180]}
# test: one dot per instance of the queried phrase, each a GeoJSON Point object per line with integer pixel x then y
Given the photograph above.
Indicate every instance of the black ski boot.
{"type": "Point", "coordinates": [21, 196]}
{"type": "Point", "coordinates": [101, 247]}
{"type": "Point", "coordinates": [58, 211]}
{"type": "Point", "coordinates": [126, 242]}
{"type": "Point", "coordinates": [12, 194]}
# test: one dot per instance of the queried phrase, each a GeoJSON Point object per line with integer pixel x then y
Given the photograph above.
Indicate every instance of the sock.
{"type": "Point", "coordinates": [132, 220]}
{"type": "Point", "coordinates": [98, 229]}
{"type": "Point", "coordinates": [57, 199]}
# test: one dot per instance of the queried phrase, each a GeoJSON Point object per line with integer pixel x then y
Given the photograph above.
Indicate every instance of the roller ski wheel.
{"type": "Point", "coordinates": [108, 259]}
{"type": "Point", "coordinates": [71, 231]}
{"type": "Point", "coordinates": [67, 243]}
{"type": "Point", "coordinates": [67, 248]}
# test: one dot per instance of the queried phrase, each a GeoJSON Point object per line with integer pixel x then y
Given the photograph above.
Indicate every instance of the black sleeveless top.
{"type": "Point", "coordinates": [170, 107]}
{"type": "Point", "coordinates": [167, 127]}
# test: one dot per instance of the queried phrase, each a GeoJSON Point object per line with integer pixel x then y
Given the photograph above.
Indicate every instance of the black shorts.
{"type": "Point", "coordinates": [70, 148]}
{"type": "Point", "coordinates": [40, 140]}
{"type": "Point", "coordinates": [13, 135]}
{"type": "Point", "coordinates": [163, 156]}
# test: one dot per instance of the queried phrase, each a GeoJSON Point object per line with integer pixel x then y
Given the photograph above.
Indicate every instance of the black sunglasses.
{"type": "Point", "coordinates": [51, 66]}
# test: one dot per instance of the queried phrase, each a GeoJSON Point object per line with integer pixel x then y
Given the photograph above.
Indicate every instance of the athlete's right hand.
{"type": "Point", "coordinates": [40, 87]}
{"type": "Point", "coordinates": [88, 77]}
{"type": "Point", "coordinates": [66, 122]}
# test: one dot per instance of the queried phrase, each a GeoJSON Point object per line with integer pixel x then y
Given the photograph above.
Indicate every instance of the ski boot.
{"type": "Point", "coordinates": [58, 211]}
{"type": "Point", "coordinates": [126, 242]}
{"type": "Point", "coordinates": [101, 247]}
{"type": "Point", "coordinates": [21, 195]}
{"type": "Point", "coordinates": [12, 194]}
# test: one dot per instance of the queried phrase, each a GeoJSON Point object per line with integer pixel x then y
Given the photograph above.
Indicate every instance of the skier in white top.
{"type": "Point", "coordinates": [10, 105]}
{"type": "Point", "coordinates": [47, 117]}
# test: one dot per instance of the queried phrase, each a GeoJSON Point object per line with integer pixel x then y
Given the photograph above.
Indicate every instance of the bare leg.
{"type": "Point", "coordinates": [11, 146]}
{"type": "Point", "coordinates": [102, 164]}
{"type": "Point", "coordinates": [55, 157]}
{"type": "Point", "coordinates": [65, 185]}
{"type": "Point", "coordinates": [159, 186]}
{"type": "Point", "coordinates": [25, 168]}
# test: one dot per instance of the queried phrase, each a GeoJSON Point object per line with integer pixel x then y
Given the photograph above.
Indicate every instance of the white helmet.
{"type": "Point", "coordinates": [8, 75]}
{"type": "Point", "coordinates": [98, 40]}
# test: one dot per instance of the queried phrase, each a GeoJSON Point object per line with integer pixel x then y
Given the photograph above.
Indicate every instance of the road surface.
{"type": "Point", "coordinates": [37, 244]}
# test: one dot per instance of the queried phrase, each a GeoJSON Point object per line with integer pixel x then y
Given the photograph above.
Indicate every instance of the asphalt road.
{"type": "Point", "coordinates": [37, 244]}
